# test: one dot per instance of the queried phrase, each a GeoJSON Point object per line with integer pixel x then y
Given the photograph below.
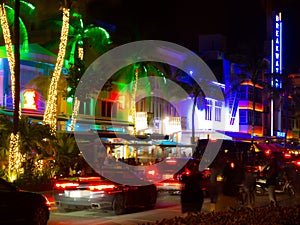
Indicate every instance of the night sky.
{"type": "Point", "coordinates": [243, 22]}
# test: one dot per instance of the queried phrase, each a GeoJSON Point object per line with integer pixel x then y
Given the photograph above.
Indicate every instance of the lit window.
{"type": "Point", "coordinates": [208, 109]}
{"type": "Point", "coordinates": [218, 111]}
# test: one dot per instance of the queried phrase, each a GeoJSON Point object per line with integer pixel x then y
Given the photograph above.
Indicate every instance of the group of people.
{"type": "Point", "coordinates": [237, 181]}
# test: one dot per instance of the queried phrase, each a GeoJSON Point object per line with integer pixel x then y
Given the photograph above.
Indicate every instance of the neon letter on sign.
{"type": "Point", "coordinates": [277, 45]}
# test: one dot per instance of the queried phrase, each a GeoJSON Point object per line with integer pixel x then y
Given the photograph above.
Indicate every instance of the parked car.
{"type": "Point", "coordinates": [22, 207]}
{"type": "Point", "coordinates": [98, 192]}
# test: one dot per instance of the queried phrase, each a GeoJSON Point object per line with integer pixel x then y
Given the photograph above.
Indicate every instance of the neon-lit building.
{"type": "Point", "coordinates": [214, 118]}
{"type": "Point", "coordinates": [37, 63]}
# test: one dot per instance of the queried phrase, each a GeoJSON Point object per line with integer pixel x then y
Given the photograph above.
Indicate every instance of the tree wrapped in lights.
{"type": "Point", "coordinates": [50, 116]}
{"type": "Point", "coordinates": [14, 59]}
{"type": "Point", "coordinates": [14, 152]}
{"type": "Point", "coordinates": [80, 36]}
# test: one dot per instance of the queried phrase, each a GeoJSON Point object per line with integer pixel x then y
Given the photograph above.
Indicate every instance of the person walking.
{"type": "Point", "coordinates": [271, 180]}
{"type": "Point", "coordinates": [214, 186]}
{"type": "Point", "coordinates": [192, 194]}
{"type": "Point", "coordinates": [233, 177]}
{"type": "Point", "coordinates": [249, 186]}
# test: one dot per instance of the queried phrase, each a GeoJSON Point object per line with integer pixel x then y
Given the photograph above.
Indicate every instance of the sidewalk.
{"type": "Point", "coordinates": [260, 201]}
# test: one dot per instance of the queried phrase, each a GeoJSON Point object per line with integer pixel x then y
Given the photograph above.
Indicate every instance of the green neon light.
{"type": "Point", "coordinates": [81, 23]}
{"type": "Point", "coordinates": [69, 99]}
{"type": "Point", "coordinates": [23, 30]}
{"type": "Point", "coordinates": [32, 7]}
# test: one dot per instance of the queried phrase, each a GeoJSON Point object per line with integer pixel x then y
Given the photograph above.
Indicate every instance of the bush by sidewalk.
{"type": "Point", "coordinates": [244, 216]}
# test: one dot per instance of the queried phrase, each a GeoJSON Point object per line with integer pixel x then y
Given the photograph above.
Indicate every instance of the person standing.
{"type": "Point", "coordinates": [271, 180]}
{"type": "Point", "coordinates": [233, 176]}
{"type": "Point", "coordinates": [214, 186]}
{"type": "Point", "coordinates": [249, 186]}
{"type": "Point", "coordinates": [192, 194]}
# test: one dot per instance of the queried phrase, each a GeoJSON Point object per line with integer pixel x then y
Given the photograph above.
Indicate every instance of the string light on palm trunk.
{"type": "Point", "coordinates": [132, 113]}
{"type": "Point", "coordinates": [9, 49]}
{"type": "Point", "coordinates": [15, 157]}
{"type": "Point", "coordinates": [75, 113]}
{"type": "Point", "coordinates": [50, 116]}
{"type": "Point", "coordinates": [80, 53]}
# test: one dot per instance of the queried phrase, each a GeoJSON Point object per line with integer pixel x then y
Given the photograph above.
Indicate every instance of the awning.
{"type": "Point", "coordinates": [168, 143]}
{"type": "Point", "coordinates": [242, 136]}
{"type": "Point", "coordinates": [270, 146]}
{"type": "Point", "coordinates": [219, 135]}
{"type": "Point", "coordinates": [34, 115]}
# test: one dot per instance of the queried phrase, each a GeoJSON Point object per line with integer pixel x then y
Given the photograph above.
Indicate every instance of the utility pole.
{"type": "Point", "coordinates": [286, 103]}
{"type": "Point", "coordinates": [17, 67]}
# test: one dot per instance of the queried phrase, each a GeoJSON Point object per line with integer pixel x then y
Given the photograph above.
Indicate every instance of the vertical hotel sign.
{"type": "Point", "coordinates": [277, 45]}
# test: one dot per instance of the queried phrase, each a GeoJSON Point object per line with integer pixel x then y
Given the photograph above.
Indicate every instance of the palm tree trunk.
{"type": "Point", "coordinates": [17, 67]}
{"type": "Point", "coordinates": [50, 115]}
{"type": "Point", "coordinates": [14, 153]}
{"type": "Point", "coordinates": [193, 120]}
{"type": "Point", "coordinates": [75, 113]}
{"type": "Point", "coordinates": [254, 79]}
{"type": "Point", "coordinates": [196, 93]}
{"type": "Point", "coordinates": [9, 48]}
{"type": "Point", "coordinates": [253, 117]}
{"type": "Point", "coordinates": [132, 111]}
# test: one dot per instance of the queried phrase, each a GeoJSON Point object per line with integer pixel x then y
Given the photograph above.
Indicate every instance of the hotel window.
{"type": "Point", "coordinates": [258, 118]}
{"type": "Point", "coordinates": [243, 92]}
{"type": "Point", "coordinates": [250, 93]}
{"type": "Point", "coordinates": [258, 95]}
{"type": "Point", "coordinates": [218, 111]}
{"type": "Point", "coordinates": [243, 116]}
{"type": "Point", "coordinates": [250, 114]}
{"type": "Point", "coordinates": [208, 109]}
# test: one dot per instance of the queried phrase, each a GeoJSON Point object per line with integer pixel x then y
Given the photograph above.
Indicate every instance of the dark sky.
{"type": "Point", "coordinates": [242, 21]}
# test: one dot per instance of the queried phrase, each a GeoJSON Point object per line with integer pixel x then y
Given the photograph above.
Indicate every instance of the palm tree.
{"type": "Point", "coordinates": [14, 64]}
{"type": "Point", "coordinates": [253, 68]}
{"type": "Point", "coordinates": [194, 90]}
{"type": "Point", "coordinates": [6, 128]}
{"type": "Point", "coordinates": [50, 115]}
{"type": "Point", "coordinates": [130, 75]}
{"type": "Point", "coordinates": [34, 142]}
{"type": "Point", "coordinates": [14, 155]}
{"type": "Point", "coordinates": [26, 11]}
{"type": "Point", "coordinates": [78, 37]}
{"type": "Point", "coordinates": [67, 153]}
{"type": "Point", "coordinates": [79, 34]}
{"type": "Point", "coordinates": [15, 136]}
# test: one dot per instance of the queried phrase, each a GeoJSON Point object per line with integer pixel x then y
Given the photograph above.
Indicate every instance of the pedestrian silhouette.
{"type": "Point", "coordinates": [192, 195]}
{"type": "Point", "coordinates": [272, 180]}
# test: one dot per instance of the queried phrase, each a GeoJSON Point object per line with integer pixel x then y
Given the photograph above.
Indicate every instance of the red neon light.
{"type": "Point", "coordinates": [30, 99]}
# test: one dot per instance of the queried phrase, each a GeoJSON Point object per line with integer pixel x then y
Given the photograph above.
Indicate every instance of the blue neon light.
{"type": "Point", "coordinates": [277, 45]}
